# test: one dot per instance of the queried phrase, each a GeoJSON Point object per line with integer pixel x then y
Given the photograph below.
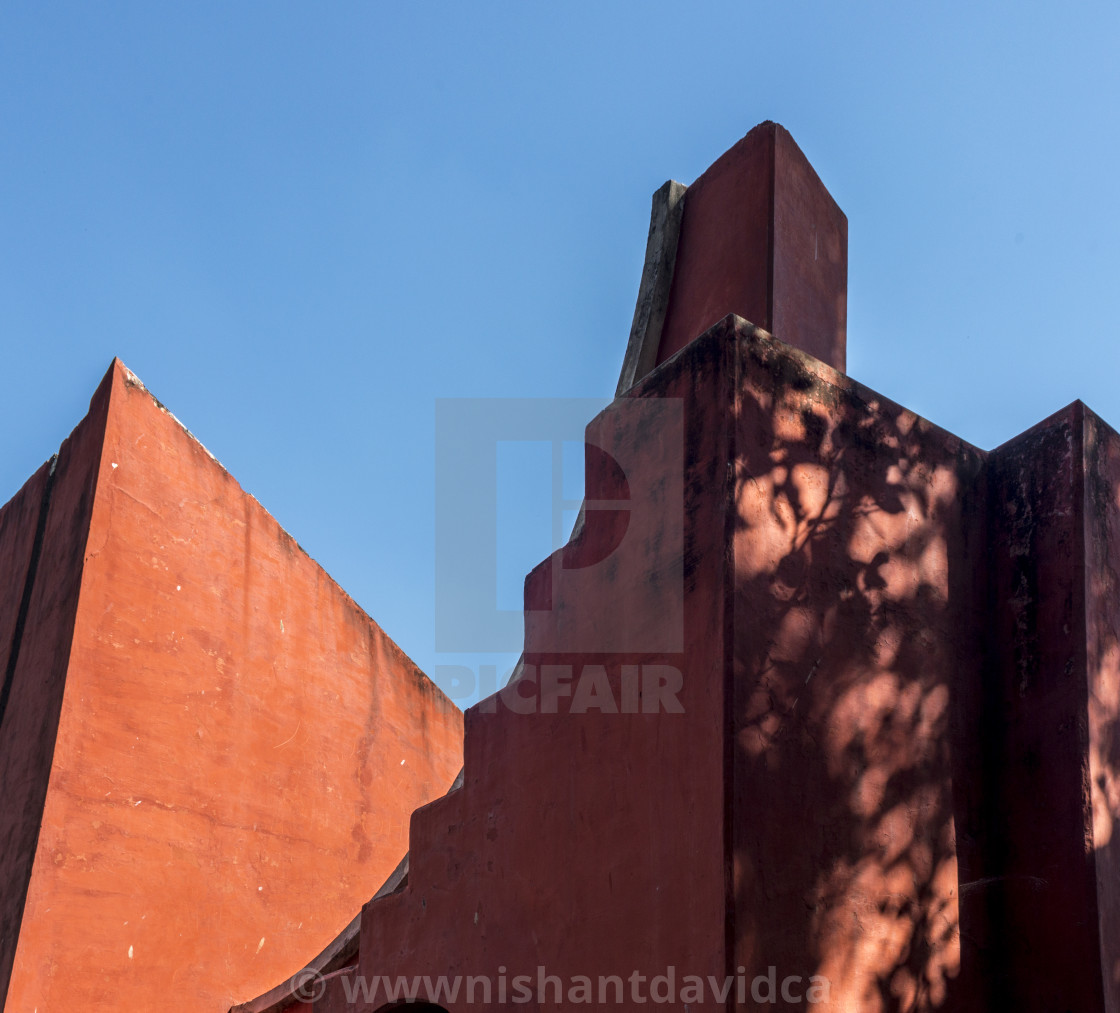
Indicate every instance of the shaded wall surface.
{"type": "Point", "coordinates": [761, 237]}
{"type": "Point", "coordinates": [593, 843]}
{"type": "Point", "coordinates": [857, 530]}
{"type": "Point", "coordinates": [43, 531]}
{"type": "Point", "coordinates": [1049, 885]}
{"type": "Point", "coordinates": [209, 752]}
{"type": "Point", "coordinates": [893, 763]}
{"type": "Point", "coordinates": [798, 811]}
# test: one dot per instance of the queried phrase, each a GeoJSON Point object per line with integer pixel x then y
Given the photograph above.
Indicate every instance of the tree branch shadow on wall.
{"type": "Point", "coordinates": [848, 648]}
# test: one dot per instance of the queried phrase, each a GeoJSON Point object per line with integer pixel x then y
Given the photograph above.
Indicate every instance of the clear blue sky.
{"type": "Point", "coordinates": [300, 223]}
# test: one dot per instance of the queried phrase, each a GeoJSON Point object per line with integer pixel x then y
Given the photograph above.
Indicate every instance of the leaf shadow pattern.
{"type": "Point", "coordinates": [851, 619]}
{"type": "Point", "coordinates": [1102, 459]}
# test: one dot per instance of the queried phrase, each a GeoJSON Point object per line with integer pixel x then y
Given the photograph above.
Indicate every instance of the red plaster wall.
{"type": "Point", "coordinates": [23, 779]}
{"type": "Point", "coordinates": [1102, 595]}
{"type": "Point", "coordinates": [238, 746]}
{"type": "Point", "coordinates": [800, 812]}
{"type": "Point", "coordinates": [592, 844]}
{"type": "Point", "coordinates": [858, 529]}
{"type": "Point", "coordinates": [809, 292]}
{"type": "Point", "coordinates": [55, 513]}
{"type": "Point", "coordinates": [725, 249]}
{"type": "Point", "coordinates": [1049, 892]}
{"type": "Point", "coordinates": [761, 237]}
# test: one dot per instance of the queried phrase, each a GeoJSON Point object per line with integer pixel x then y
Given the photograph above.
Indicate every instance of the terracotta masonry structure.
{"type": "Point", "coordinates": [891, 775]}
{"type": "Point", "coordinates": [207, 750]}
{"type": "Point", "coordinates": [832, 727]}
